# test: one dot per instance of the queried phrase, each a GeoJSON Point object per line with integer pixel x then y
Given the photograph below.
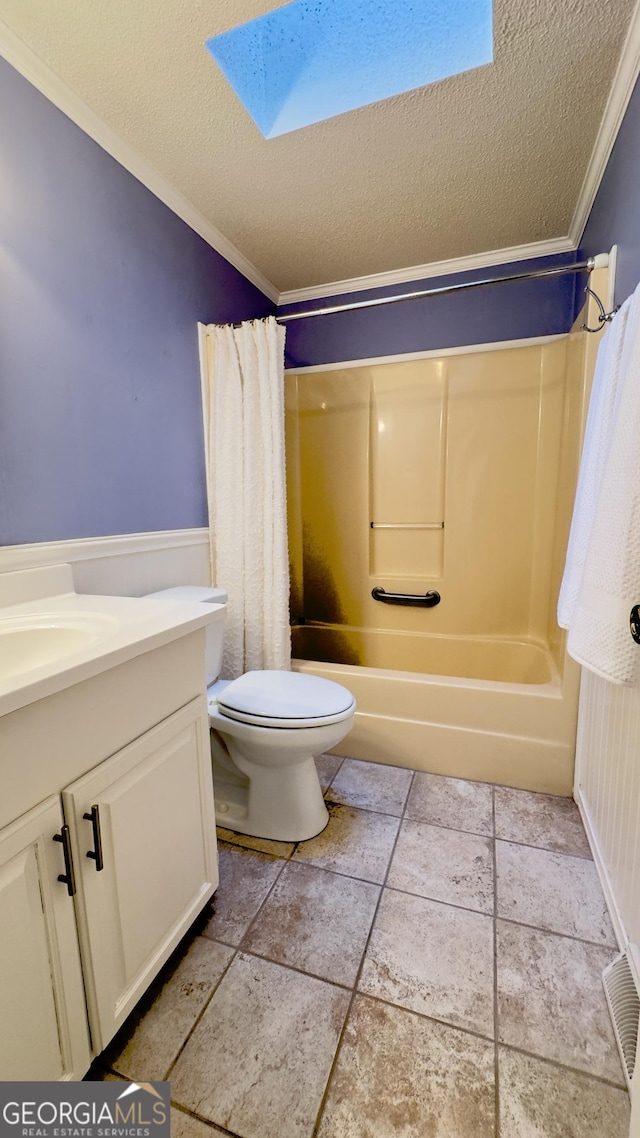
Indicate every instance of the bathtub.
{"type": "Point", "coordinates": [496, 710]}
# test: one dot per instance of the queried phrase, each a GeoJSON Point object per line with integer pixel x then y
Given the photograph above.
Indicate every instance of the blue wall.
{"type": "Point", "coordinates": [101, 286]}
{"type": "Point", "coordinates": [483, 315]}
{"type": "Point", "coordinates": [615, 216]}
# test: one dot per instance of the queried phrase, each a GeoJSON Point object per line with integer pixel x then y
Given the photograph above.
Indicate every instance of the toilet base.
{"type": "Point", "coordinates": [283, 804]}
{"type": "Point", "coordinates": [233, 816]}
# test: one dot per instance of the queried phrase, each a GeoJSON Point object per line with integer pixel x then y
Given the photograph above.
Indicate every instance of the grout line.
{"type": "Point", "coordinates": [437, 900]}
{"type": "Point", "coordinates": [368, 809]}
{"type": "Point", "coordinates": [206, 1121]}
{"type": "Point", "coordinates": [496, 1066]}
{"type": "Point", "coordinates": [335, 774]}
{"type": "Point", "coordinates": [354, 993]}
{"type": "Point", "coordinates": [421, 821]}
{"type": "Point", "coordinates": [221, 977]}
{"type": "Point", "coordinates": [117, 1071]}
{"type": "Point", "coordinates": [339, 873]}
{"type": "Point", "coordinates": [553, 932]}
{"type": "Point", "coordinates": [200, 1015]}
{"type": "Point", "coordinates": [498, 837]}
{"type": "Point", "coordinates": [405, 817]}
{"type": "Point", "coordinates": [362, 809]}
{"type": "Point", "coordinates": [458, 830]}
{"type": "Point", "coordinates": [441, 826]}
{"type": "Point", "coordinates": [224, 943]}
{"type": "Point", "coordinates": [544, 849]}
{"type": "Point", "coordinates": [261, 905]}
{"type": "Point", "coordinates": [430, 1018]}
{"type": "Point", "coordinates": [225, 843]}
{"type": "Point", "coordinates": [621, 1086]}
{"type": "Point", "coordinates": [336, 872]}
{"type": "Point", "coordinates": [248, 951]}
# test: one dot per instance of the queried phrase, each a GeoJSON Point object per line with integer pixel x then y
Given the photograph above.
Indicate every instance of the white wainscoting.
{"type": "Point", "coordinates": [127, 565]}
{"type": "Point", "coordinates": [607, 791]}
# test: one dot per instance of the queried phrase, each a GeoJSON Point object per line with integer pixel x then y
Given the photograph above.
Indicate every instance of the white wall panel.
{"type": "Point", "coordinates": [126, 565]}
{"type": "Point", "coordinates": [608, 793]}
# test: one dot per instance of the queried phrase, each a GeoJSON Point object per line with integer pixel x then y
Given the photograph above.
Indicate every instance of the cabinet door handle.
{"type": "Point", "coordinates": [96, 852]}
{"type": "Point", "coordinates": [68, 876]}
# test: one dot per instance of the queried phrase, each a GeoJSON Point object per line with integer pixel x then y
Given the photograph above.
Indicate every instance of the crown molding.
{"type": "Point", "coordinates": [435, 269]}
{"type": "Point", "coordinates": [40, 75]}
{"type": "Point", "coordinates": [621, 91]}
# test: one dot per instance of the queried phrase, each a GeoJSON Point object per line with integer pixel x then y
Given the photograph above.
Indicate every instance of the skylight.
{"type": "Point", "coordinates": [314, 59]}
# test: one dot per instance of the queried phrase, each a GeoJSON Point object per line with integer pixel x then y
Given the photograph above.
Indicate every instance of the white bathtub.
{"type": "Point", "coordinates": [491, 709]}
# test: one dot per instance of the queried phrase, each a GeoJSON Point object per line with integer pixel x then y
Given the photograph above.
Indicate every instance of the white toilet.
{"type": "Point", "coordinates": [266, 728]}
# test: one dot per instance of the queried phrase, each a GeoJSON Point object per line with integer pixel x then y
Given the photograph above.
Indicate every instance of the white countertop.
{"type": "Point", "coordinates": [116, 628]}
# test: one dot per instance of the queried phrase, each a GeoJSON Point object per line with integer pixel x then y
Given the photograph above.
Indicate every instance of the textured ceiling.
{"type": "Point", "coordinates": [485, 160]}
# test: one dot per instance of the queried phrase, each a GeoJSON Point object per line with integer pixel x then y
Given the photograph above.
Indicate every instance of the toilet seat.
{"type": "Point", "coordinates": [285, 699]}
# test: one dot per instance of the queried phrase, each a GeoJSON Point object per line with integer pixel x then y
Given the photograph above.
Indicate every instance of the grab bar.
{"type": "Point", "coordinates": [422, 600]}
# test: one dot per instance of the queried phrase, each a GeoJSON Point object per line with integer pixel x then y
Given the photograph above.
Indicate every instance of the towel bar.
{"type": "Point", "coordinates": [406, 525]}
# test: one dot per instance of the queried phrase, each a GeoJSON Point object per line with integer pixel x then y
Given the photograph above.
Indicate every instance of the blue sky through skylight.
{"type": "Point", "coordinates": [314, 59]}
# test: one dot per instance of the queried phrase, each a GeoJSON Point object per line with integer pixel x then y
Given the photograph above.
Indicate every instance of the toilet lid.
{"type": "Point", "coordinates": [285, 697]}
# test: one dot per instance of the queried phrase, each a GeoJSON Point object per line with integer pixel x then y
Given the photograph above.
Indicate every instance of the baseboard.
{"type": "Point", "coordinates": [603, 874]}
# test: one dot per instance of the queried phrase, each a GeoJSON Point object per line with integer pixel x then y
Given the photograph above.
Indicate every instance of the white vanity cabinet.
{"type": "Point", "coordinates": [44, 1031]}
{"type": "Point", "coordinates": [143, 833]}
{"type": "Point", "coordinates": [130, 749]}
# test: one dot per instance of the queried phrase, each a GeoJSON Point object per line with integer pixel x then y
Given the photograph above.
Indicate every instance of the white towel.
{"type": "Point", "coordinates": [597, 441]}
{"type": "Point", "coordinates": [599, 636]}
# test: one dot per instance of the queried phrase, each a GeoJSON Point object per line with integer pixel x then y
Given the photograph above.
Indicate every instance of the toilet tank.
{"type": "Point", "coordinates": [215, 631]}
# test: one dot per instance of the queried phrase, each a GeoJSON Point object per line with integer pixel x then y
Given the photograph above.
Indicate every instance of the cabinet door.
{"type": "Point", "coordinates": [42, 1007]}
{"type": "Point", "coordinates": [154, 803]}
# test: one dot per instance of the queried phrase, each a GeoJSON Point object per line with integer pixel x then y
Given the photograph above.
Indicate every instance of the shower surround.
{"type": "Point", "coordinates": [465, 461]}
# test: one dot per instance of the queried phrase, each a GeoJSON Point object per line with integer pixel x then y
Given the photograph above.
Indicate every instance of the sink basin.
{"type": "Point", "coordinates": [31, 642]}
{"type": "Point", "coordinates": [52, 638]}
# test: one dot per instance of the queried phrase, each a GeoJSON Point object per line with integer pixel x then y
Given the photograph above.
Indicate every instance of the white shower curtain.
{"type": "Point", "coordinates": [243, 403]}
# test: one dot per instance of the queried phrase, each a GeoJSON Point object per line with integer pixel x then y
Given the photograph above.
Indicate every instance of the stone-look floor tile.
{"type": "Point", "coordinates": [544, 820]}
{"type": "Point", "coordinates": [401, 1076]}
{"type": "Point", "coordinates": [258, 1062]}
{"type": "Point", "coordinates": [451, 802]}
{"type": "Point", "coordinates": [262, 845]}
{"type": "Point", "coordinates": [355, 842]}
{"type": "Point", "coordinates": [246, 877]}
{"type": "Point", "coordinates": [446, 865]}
{"type": "Point", "coordinates": [149, 1042]}
{"type": "Point", "coordinates": [184, 1126]}
{"type": "Point", "coordinates": [551, 1000]}
{"type": "Point", "coordinates": [316, 921]}
{"type": "Point", "coordinates": [552, 891]}
{"type": "Point", "coordinates": [538, 1100]}
{"type": "Point", "coordinates": [433, 959]}
{"type": "Point", "coordinates": [327, 767]}
{"type": "Point", "coordinates": [371, 786]}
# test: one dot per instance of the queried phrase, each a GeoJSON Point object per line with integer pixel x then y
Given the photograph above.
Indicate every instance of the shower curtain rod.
{"type": "Point", "coordinates": [582, 266]}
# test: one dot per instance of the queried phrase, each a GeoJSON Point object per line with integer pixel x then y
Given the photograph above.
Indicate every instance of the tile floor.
{"type": "Point", "coordinates": [428, 967]}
